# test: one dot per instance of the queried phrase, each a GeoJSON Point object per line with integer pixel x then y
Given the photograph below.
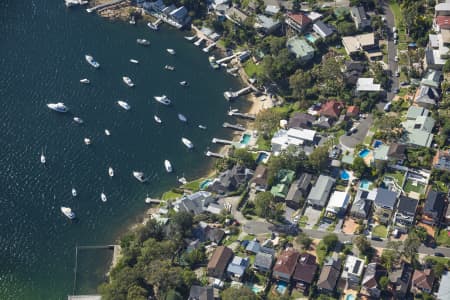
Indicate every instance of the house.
{"type": "Point", "coordinates": [322, 29]}
{"type": "Point", "coordinates": [433, 59]}
{"type": "Point", "coordinates": [298, 191]}
{"type": "Point", "coordinates": [396, 153]}
{"type": "Point", "coordinates": [406, 212]}
{"type": "Point", "coordinates": [370, 284]}
{"type": "Point", "coordinates": [352, 111]}
{"type": "Point", "coordinates": [418, 127]}
{"type": "Point", "coordinates": [384, 205]}
{"type": "Point", "coordinates": [367, 85]}
{"type": "Point", "coordinates": [215, 235]}
{"type": "Point", "coordinates": [352, 71]}
{"type": "Point", "coordinates": [263, 262]}
{"type": "Point", "coordinates": [352, 273]}
{"type": "Point", "coordinates": [423, 281]}
{"type": "Point", "coordinates": [441, 22]}
{"type": "Point", "coordinates": [300, 48]}
{"type": "Point", "coordinates": [444, 287]}
{"type": "Point", "coordinates": [230, 180]}
{"type": "Point", "coordinates": [198, 292]}
{"type": "Point", "coordinates": [332, 109]}
{"type": "Point", "coordinates": [401, 280]}
{"type": "Point", "coordinates": [285, 265]}
{"type": "Point", "coordinates": [359, 17]}
{"type": "Point", "coordinates": [279, 191]}
{"type": "Point", "coordinates": [180, 16]}
{"type": "Point", "coordinates": [299, 22]}
{"type": "Point", "coordinates": [197, 203]}
{"type": "Point", "coordinates": [266, 25]}
{"type": "Point", "coordinates": [426, 96]}
{"type": "Point", "coordinates": [219, 261]}
{"type": "Point", "coordinates": [271, 10]}
{"type": "Point", "coordinates": [357, 43]}
{"type": "Point", "coordinates": [337, 206]}
{"type": "Point", "coordinates": [432, 79]}
{"type": "Point", "coordinates": [305, 271]}
{"type": "Point", "coordinates": [236, 269]}
{"type": "Point", "coordinates": [259, 181]}
{"type": "Point", "coordinates": [441, 160]}
{"type": "Point", "coordinates": [329, 276]}
{"type": "Point", "coordinates": [362, 204]}
{"type": "Point", "coordinates": [235, 15]}
{"type": "Point", "coordinates": [298, 138]}
{"type": "Point", "coordinates": [253, 247]}
{"type": "Point", "coordinates": [301, 120]}
{"type": "Point", "coordinates": [441, 16]}
{"type": "Point", "coordinates": [318, 196]}
{"type": "Point", "coordinates": [433, 209]}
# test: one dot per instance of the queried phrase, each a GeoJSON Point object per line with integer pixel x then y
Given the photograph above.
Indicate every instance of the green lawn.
{"type": "Point", "coordinates": [252, 69]}
{"type": "Point", "coordinates": [441, 186]}
{"type": "Point", "coordinates": [397, 175]}
{"type": "Point", "coordinates": [442, 260]}
{"type": "Point", "coordinates": [321, 251]}
{"type": "Point", "coordinates": [380, 231]}
{"type": "Point", "coordinates": [193, 185]}
{"type": "Point", "coordinates": [170, 195]}
{"type": "Point", "coordinates": [443, 239]}
{"type": "Point", "coordinates": [409, 187]}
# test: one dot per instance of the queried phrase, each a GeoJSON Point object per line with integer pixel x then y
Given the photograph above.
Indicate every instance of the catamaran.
{"type": "Point", "coordinates": [168, 166]}
{"type": "Point", "coordinates": [163, 99]}
{"type": "Point", "coordinates": [67, 211]}
{"type": "Point", "coordinates": [128, 81]}
{"type": "Point", "coordinates": [124, 105]}
{"type": "Point", "coordinates": [187, 143]}
{"type": "Point", "coordinates": [90, 59]}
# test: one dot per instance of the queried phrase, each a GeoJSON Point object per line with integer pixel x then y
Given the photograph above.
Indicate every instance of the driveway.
{"type": "Point", "coordinates": [348, 142]}
{"type": "Point", "coordinates": [313, 216]}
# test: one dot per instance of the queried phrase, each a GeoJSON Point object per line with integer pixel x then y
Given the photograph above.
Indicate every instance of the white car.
{"type": "Point", "coordinates": [396, 58]}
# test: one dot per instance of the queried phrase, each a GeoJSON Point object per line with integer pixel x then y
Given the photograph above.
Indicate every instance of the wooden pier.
{"type": "Point", "coordinates": [242, 115]}
{"type": "Point", "coordinates": [221, 141]}
{"type": "Point", "coordinates": [214, 154]}
{"type": "Point", "coordinates": [232, 95]}
{"type": "Point", "coordinates": [238, 127]}
{"type": "Point", "coordinates": [206, 49]}
{"type": "Point", "coordinates": [104, 5]}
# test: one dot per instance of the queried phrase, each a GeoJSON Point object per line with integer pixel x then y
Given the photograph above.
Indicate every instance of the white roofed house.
{"type": "Point", "coordinates": [266, 25]}
{"type": "Point", "coordinates": [337, 205]}
{"type": "Point", "coordinates": [353, 269]}
{"type": "Point", "coordinates": [299, 138]}
{"type": "Point", "coordinates": [367, 85]}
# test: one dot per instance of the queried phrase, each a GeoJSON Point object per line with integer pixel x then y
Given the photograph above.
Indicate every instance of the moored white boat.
{"type": "Point", "coordinates": [168, 67]}
{"type": "Point", "coordinates": [85, 81]}
{"type": "Point", "coordinates": [134, 61]}
{"type": "Point", "coordinates": [127, 80]}
{"type": "Point", "coordinates": [78, 120]}
{"type": "Point", "coordinates": [139, 176]}
{"type": "Point", "coordinates": [111, 172]}
{"type": "Point", "coordinates": [187, 143]}
{"type": "Point", "coordinates": [90, 59]}
{"type": "Point", "coordinates": [87, 141]}
{"type": "Point", "coordinates": [168, 166]}
{"type": "Point", "coordinates": [202, 127]}
{"type": "Point", "coordinates": [143, 42]}
{"type": "Point", "coordinates": [182, 180]}
{"type": "Point", "coordinates": [67, 211]}
{"type": "Point", "coordinates": [103, 197]}
{"type": "Point", "coordinates": [59, 107]}
{"type": "Point", "coordinates": [157, 119]}
{"type": "Point", "coordinates": [74, 192]}
{"type": "Point", "coordinates": [124, 105]}
{"type": "Point", "coordinates": [132, 20]}
{"type": "Point", "coordinates": [184, 83]}
{"type": "Point", "coordinates": [190, 38]}
{"type": "Point", "coordinates": [182, 118]}
{"type": "Point", "coordinates": [171, 51]}
{"type": "Point", "coordinates": [152, 26]}
{"type": "Point", "coordinates": [43, 160]}
{"type": "Point", "coordinates": [107, 132]}
{"type": "Point", "coordinates": [163, 99]}
{"type": "Point", "coordinates": [148, 200]}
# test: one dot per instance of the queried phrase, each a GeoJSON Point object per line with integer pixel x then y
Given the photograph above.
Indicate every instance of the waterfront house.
{"type": "Point", "coordinates": [285, 265]}
{"type": "Point", "coordinates": [266, 25]}
{"type": "Point", "coordinates": [322, 29]}
{"type": "Point", "coordinates": [370, 284]}
{"type": "Point", "coordinates": [423, 281]}
{"type": "Point", "coordinates": [329, 276]}
{"type": "Point", "coordinates": [384, 205]}
{"type": "Point", "coordinates": [230, 180]}
{"type": "Point", "coordinates": [418, 127]}
{"type": "Point", "coordinates": [400, 279]}
{"type": "Point", "coordinates": [197, 203]}
{"type": "Point", "coordinates": [332, 109]}
{"type": "Point", "coordinates": [443, 292]}
{"type": "Point", "coordinates": [433, 209]}
{"type": "Point", "coordinates": [441, 160]}
{"type": "Point", "coordinates": [305, 271]}
{"type": "Point", "coordinates": [300, 48]}
{"type": "Point", "coordinates": [263, 262]}
{"type": "Point", "coordinates": [352, 272]}
{"type": "Point", "coordinates": [198, 292]}
{"type": "Point", "coordinates": [318, 196]}
{"type": "Point", "coordinates": [337, 205]}
{"type": "Point", "coordinates": [367, 85]}
{"type": "Point", "coordinates": [298, 138]}
{"type": "Point", "coordinates": [360, 18]}
{"type": "Point", "coordinates": [298, 191]}
{"type": "Point", "coordinates": [301, 120]}
{"type": "Point", "coordinates": [235, 15]}
{"type": "Point", "coordinates": [236, 269]}
{"type": "Point", "coordinates": [299, 22]}
{"type": "Point", "coordinates": [180, 15]}
{"type": "Point", "coordinates": [219, 261]}
{"type": "Point", "coordinates": [362, 204]}
{"type": "Point", "coordinates": [406, 212]}
{"type": "Point", "coordinates": [259, 181]}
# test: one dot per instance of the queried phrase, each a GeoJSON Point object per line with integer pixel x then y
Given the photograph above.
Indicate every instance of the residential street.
{"type": "Point", "coordinates": [348, 142]}
{"type": "Point", "coordinates": [392, 51]}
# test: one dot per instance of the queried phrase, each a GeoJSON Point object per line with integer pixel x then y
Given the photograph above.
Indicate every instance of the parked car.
{"type": "Point", "coordinates": [396, 58]}
{"type": "Point", "coordinates": [396, 90]}
{"type": "Point", "coordinates": [397, 74]}
{"type": "Point", "coordinates": [439, 254]}
{"type": "Point", "coordinates": [394, 29]}
{"type": "Point", "coordinates": [395, 42]}
{"type": "Point", "coordinates": [387, 107]}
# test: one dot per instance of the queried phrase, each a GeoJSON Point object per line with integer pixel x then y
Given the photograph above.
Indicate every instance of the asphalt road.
{"type": "Point", "coordinates": [348, 142]}
{"type": "Point", "coordinates": [392, 50]}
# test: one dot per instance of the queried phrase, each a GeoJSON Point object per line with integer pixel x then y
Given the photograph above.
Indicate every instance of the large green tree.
{"type": "Point", "coordinates": [264, 204]}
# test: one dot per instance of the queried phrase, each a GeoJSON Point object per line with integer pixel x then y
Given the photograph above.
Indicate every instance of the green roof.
{"type": "Point", "coordinates": [416, 111]}
{"type": "Point", "coordinates": [381, 152]}
{"type": "Point", "coordinates": [348, 159]}
{"type": "Point", "coordinates": [300, 48]}
{"type": "Point", "coordinates": [285, 176]}
{"type": "Point", "coordinates": [279, 190]}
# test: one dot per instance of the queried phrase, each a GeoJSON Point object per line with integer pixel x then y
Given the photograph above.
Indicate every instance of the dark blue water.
{"type": "Point", "coordinates": [42, 48]}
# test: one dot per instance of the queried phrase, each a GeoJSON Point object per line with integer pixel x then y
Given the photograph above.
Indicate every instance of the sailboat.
{"type": "Point", "coordinates": [43, 160]}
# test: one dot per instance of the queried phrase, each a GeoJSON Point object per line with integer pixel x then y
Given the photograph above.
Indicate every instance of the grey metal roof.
{"type": "Point", "coordinates": [263, 260]}
{"type": "Point", "coordinates": [321, 190]}
{"type": "Point", "coordinates": [385, 198]}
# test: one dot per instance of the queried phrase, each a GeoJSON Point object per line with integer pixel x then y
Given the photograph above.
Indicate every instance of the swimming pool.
{"type": "Point", "coordinates": [255, 288]}
{"type": "Point", "coordinates": [281, 287]}
{"type": "Point", "coordinates": [377, 143]}
{"type": "Point", "coordinates": [365, 184]}
{"type": "Point", "coordinates": [363, 153]}
{"type": "Point", "coordinates": [345, 175]}
{"type": "Point", "coordinates": [310, 37]}
{"type": "Point", "coordinates": [245, 139]}
{"type": "Point", "coordinates": [205, 184]}
{"type": "Point", "coordinates": [261, 157]}
{"type": "Point", "coordinates": [350, 297]}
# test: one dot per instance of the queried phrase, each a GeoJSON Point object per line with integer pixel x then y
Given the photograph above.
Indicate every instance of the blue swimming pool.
{"type": "Point", "coordinates": [245, 139]}
{"type": "Point", "coordinates": [261, 157]}
{"type": "Point", "coordinates": [364, 184]}
{"type": "Point", "coordinates": [310, 37]}
{"type": "Point", "coordinates": [350, 297]}
{"type": "Point", "coordinates": [281, 287]}
{"type": "Point", "coordinates": [256, 288]}
{"type": "Point", "coordinates": [345, 175]}
{"type": "Point", "coordinates": [205, 184]}
{"type": "Point", "coordinates": [364, 153]}
{"type": "Point", "coordinates": [377, 143]}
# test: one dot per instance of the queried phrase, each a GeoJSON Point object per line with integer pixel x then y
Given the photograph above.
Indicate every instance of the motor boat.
{"type": "Point", "coordinates": [157, 119]}
{"type": "Point", "coordinates": [168, 166]}
{"type": "Point", "coordinates": [202, 127]}
{"type": "Point", "coordinates": [78, 120]}
{"type": "Point", "coordinates": [152, 26]}
{"type": "Point", "coordinates": [74, 192]}
{"type": "Point", "coordinates": [143, 42]}
{"type": "Point", "coordinates": [111, 172]}
{"type": "Point", "coordinates": [85, 81]}
{"type": "Point", "coordinates": [182, 118]}
{"type": "Point", "coordinates": [107, 132]}
{"type": "Point", "coordinates": [182, 180]}
{"type": "Point", "coordinates": [132, 21]}
{"type": "Point", "coordinates": [90, 59]}
{"type": "Point", "coordinates": [213, 63]}
{"type": "Point", "coordinates": [67, 211]}
{"type": "Point", "coordinates": [134, 61]}
{"type": "Point", "coordinates": [43, 160]}
{"type": "Point", "coordinates": [184, 83]}
{"type": "Point", "coordinates": [168, 67]}
{"type": "Point", "coordinates": [59, 107]}
{"type": "Point", "coordinates": [139, 176]}
{"type": "Point", "coordinates": [87, 141]}
{"type": "Point", "coordinates": [124, 105]}
{"type": "Point", "coordinates": [163, 99]}
{"type": "Point", "coordinates": [103, 197]}
{"type": "Point", "coordinates": [170, 51]}
{"type": "Point", "coordinates": [187, 143]}
{"type": "Point", "coordinates": [190, 38]}
{"type": "Point", "coordinates": [128, 81]}
{"type": "Point", "coordinates": [148, 200]}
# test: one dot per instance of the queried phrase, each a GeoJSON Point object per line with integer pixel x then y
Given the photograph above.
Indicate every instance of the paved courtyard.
{"type": "Point", "coordinates": [313, 216]}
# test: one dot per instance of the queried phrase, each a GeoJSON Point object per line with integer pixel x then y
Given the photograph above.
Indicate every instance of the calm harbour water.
{"type": "Point", "coordinates": [42, 47]}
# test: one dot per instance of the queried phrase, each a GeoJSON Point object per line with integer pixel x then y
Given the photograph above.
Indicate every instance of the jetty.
{"type": "Point", "coordinates": [238, 127]}
{"type": "Point", "coordinates": [104, 5]}
{"type": "Point", "coordinates": [149, 200]}
{"type": "Point", "coordinates": [206, 49]}
{"type": "Point", "coordinates": [228, 58]}
{"type": "Point", "coordinates": [214, 154]}
{"type": "Point", "coordinates": [229, 95]}
{"type": "Point", "coordinates": [199, 41]}
{"type": "Point", "coordinates": [221, 141]}
{"type": "Point", "coordinates": [242, 115]}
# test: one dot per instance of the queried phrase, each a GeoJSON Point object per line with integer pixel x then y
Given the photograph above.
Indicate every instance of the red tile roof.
{"type": "Point", "coordinates": [300, 19]}
{"type": "Point", "coordinates": [331, 109]}
{"type": "Point", "coordinates": [443, 21]}
{"type": "Point", "coordinates": [423, 280]}
{"type": "Point", "coordinates": [287, 261]}
{"type": "Point", "coordinates": [352, 110]}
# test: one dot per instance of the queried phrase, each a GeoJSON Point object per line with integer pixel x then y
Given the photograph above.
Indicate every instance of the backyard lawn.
{"type": "Point", "coordinates": [398, 176]}
{"type": "Point", "coordinates": [443, 239]}
{"type": "Point", "coordinates": [410, 187]}
{"type": "Point", "coordinates": [252, 69]}
{"type": "Point", "coordinates": [380, 231]}
{"type": "Point", "coordinates": [193, 185]}
{"type": "Point", "coordinates": [170, 195]}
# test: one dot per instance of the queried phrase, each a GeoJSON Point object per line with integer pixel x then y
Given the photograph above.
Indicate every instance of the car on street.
{"type": "Point", "coordinates": [397, 74]}
{"type": "Point", "coordinates": [395, 42]}
{"type": "Point", "coordinates": [395, 91]}
{"type": "Point", "coordinates": [387, 107]}
{"type": "Point", "coordinates": [439, 254]}
{"type": "Point", "coordinates": [396, 58]}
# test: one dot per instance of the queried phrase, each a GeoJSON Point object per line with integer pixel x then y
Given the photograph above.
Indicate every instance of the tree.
{"type": "Point", "coordinates": [391, 128]}
{"type": "Point", "coordinates": [330, 241]}
{"type": "Point", "coordinates": [182, 221]}
{"type": "Point", "coordinates": [304, 240]}
{"type": "Point", "coordinates": [384, 281]}
{"type": "Point", "coordinates": [411, 245]}
{"type": "Point", "coordinates": [319, 158]}
{"type": "Point", "coordinates": [268, 120]}
{"type": "Point", "coordinates": [389, 258]}
{"type": "Point", "coordinates": [264, 204]}
{"type": "Point", "coordinates": [239, 293]}
{"type": "Point", "coordinates": [362, 244]}
{"type": "Point", "coordinates": [359, 166]}
{"type": "Point", "coordinates": [245, 158]}
{"type": "Point", "coordinates": [194, 257]}
{"type": "Point", "coordinates": [299, 82]}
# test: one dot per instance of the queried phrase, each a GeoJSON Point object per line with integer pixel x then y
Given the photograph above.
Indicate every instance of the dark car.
{"type": "Point", "coordinates": [439, 254]}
